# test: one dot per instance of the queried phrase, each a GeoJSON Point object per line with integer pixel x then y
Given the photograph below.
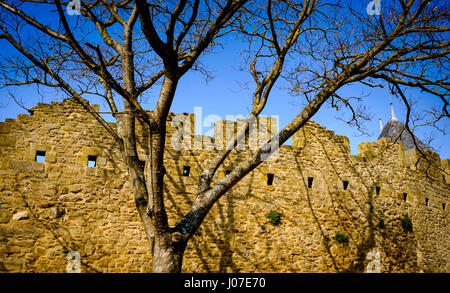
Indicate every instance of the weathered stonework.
{"type": "Point", "coordinates": [63, 205]}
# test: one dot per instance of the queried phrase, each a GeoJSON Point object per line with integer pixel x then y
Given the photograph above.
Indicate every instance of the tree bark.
{"type": "Point", "coordinates": [168, 253]}
{"type": "Point", "coordinates": [169, 245]}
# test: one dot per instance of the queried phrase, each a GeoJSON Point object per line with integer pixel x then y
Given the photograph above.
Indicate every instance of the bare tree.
{"type": "Point", "coordinates": [317, 46]}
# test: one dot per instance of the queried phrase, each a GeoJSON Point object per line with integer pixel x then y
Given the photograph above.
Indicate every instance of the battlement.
{"type": "Point", "coordinates": [181, 133]}
{"type": "Point", "coordinates": [224, 130]}
{"type": "Point", "coordinates": [181, 130]}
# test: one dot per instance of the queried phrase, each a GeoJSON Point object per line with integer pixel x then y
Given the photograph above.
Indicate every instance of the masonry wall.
{"type": "Point", "coordinates": [49, 209]}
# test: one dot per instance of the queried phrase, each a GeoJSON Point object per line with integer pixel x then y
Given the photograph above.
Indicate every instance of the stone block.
{"type": "Point", "coordinates": [12, 266]}
{"type": "Point", "coordinates": [42, 147]}
{"type": "Point", "coordinates": [5, 216]}
{"type": "Point", "coordinates": [7, 172]}
{"type": "Point", "coordinates": [23, 117]}
{"type": "Point", "coordinates": [5, 128]}
{"type": "Point", "coordinates": [422, 200]}
{"type": "Point", "coordinates": [91, 171]}
{"type": "Point", "coordinates": [76, 188]}
{"type": "Point", "coordinates": [30, 155]}
{"type": "Point", "coordinates": [83, 160]}
{"type": "Point", "coordinates": [91, 151]}
{"type": "Point", "coordinates": [56, 212]}
{"type": "Point", "coordinates": [95, 107]}
{"type": "Point", "coordinates": [344, 142]}
{"type": "Point", "coordinates": [3, 164]}
{"type": "Point", "coordinates": [20, 216]}
{"type": "Point", "coordinates": [50, 157]}
{"type": "Point", "coordinates": [50, 126]}
{"type": "Point", "coordinates": [25, 166]}
{"type": "Point", "coordinates": [7, 140]}
{"type": "Point", "coordinates": [101, 173]}
{"type": "Point", "coordinates": [101, 161]}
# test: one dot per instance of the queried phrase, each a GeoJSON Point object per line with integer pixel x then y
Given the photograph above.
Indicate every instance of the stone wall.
{"type": "Point", "coordinates": [49, 209]}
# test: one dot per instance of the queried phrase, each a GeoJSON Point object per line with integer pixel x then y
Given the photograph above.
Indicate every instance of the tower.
{"type": "Point", "coordinates": [396, 131]}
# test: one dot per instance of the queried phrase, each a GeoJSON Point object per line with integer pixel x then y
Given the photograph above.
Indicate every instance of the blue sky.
{"type": "Point", "coordinates": [224, 95]}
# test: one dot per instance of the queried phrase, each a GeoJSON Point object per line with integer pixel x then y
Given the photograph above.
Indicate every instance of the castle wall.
{"type": "Point", "coordinates": [49, 209]}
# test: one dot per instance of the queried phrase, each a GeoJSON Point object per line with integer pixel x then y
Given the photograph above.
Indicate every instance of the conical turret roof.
{"type": "Point", "coordinates": [394, 128]}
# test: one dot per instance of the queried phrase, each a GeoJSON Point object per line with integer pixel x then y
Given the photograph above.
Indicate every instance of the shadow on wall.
{"type": "Point", "coordinates": [71, 216]}
{"type": "Point", "coordinates": [359, 213]}
{"type": "Point", "coordinates": [212, 244]}
{"type": "Point", "coordinates": [365, 210]}
{"type": "Point", "coordinates": [40, 241]}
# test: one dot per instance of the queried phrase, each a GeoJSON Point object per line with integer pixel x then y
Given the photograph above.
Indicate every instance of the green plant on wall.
{"type": "Point", "coordinates": [341, 238]}
{"type": "Point", "coordinates": [406, 223]}
{"type": "Point", "coordinates": [274, 217]}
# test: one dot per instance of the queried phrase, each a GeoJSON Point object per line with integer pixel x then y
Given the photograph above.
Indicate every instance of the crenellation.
{"type": "Point", "coordinates": [225, 132]}
{"type": "Point", "coordinates": [74, 207]}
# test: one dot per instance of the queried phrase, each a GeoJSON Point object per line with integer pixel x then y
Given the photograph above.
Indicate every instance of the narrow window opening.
{"type": "Point", "coordinates": [310, 182]}
{"type": "Point", "coordinates": [40, 156]}
{"type": "Point", "coordinates": [227, 172]}
{"type": "Point", "coordinates": [426, 201]}
{"type": "Point", "coordinates": [443, 206]}
{"type": "Point", "coordinates": [186, 170]}
{"type": "Point", "coordinates": [142, 165]}
{"type": "Point", "coordinates": [92, 161]}
{"type": "Point", "coordinates": [405, 196]}
{"type": "Point", "coordinates": [377, 190]}
{"type": "Point", "coordinates": [269, 179]}
{"type": "Point", "coordinates": [345, 184]}
{"type": "Point", "coordinates": [443, 177]}
{"type": "Point", "coordinates": [247, 137]}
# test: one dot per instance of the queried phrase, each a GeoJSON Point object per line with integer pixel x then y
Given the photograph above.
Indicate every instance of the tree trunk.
{"type": "Point", "coordinates": [167, 255]}
{"type": "Point", "coordinates": [169, 245]}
